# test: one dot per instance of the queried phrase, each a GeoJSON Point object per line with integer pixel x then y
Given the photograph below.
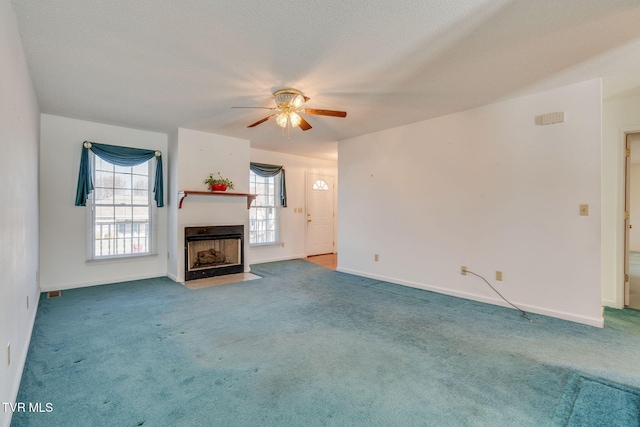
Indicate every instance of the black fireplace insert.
{"type": "Point", "coordinates": [213, 251]}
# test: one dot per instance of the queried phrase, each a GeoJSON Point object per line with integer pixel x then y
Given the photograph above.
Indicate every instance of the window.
{"type": "Point", "coordinates": [263, 214]}
{"type": "Point", "coordinates": [320, 184]}
{"type": "Point", "coordinates": [120, 210]}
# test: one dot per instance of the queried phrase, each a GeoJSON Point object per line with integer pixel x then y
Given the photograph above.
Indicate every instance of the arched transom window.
{"type": "Point", "coordinates": [320, 184]}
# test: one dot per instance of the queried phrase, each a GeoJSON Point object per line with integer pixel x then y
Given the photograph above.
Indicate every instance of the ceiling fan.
{"type": "Point", "coordinates": [289, 104]}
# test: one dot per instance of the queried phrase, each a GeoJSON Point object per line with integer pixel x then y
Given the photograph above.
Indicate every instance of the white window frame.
{"type": "Point", "coordinates": [262, 203]}
{"type": "Point", "coordinates": [91, 218]}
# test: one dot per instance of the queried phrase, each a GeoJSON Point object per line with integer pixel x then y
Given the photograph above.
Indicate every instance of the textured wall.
{"type": "Point", "coordinates": [485, 188]}
{"type": "Point", "coordinates": [63, 225]}
{"type": "Point", "coordinates": [19, 132]}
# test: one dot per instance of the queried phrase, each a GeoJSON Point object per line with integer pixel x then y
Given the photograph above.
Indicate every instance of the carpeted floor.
{"type": "Point", "coordinates": [307, 346]}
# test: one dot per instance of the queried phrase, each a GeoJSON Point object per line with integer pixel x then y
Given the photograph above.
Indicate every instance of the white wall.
{"type": "Point", "coordinates": [63, 225]}
{"type": "Point", "coordinates": [172, 205]}
{"type": "Point", "coordinates": [197, 155]}
{"type": "Point", "coordinates": [488, 189]}
{"type": "Point", "coordinates": [292, 225]}
{"type": "Point", "coordinates": [618, 116]}
{"type": "Point", "coordinates": [19, 133]}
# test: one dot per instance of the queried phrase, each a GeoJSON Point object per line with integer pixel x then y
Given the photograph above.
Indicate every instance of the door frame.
{"type": "Point", "coordinates": [307, 190]}
{"type": "Point", "coordinates": [627, 218]}
{"type": "Point", "coordinates": [622, 224]}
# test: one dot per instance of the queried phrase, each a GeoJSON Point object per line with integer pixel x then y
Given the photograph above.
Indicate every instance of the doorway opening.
{"type": "Point", "coordinates": [632, 216]}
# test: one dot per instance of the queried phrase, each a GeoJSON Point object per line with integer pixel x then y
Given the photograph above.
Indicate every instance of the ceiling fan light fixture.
{"type": "Point", "coordinates": [295, 119]}
{"type": "Point", "coordinates": [281, 120]}
{"type": "Point", "coordinates": [289, 98]}
{"type": "Point", "coordinates": [297, 101]}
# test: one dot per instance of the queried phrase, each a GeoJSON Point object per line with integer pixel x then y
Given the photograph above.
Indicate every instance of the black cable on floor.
{"type": "Point", "coordinates": [507, 301]}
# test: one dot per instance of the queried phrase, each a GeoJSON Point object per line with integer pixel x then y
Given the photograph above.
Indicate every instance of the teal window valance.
{"type": "Point", "coordinates": [267, 171]}
{"type": "Point", "coordinates": [120, 156]}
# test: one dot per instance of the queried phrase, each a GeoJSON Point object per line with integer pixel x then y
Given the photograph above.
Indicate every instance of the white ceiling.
{"type": "Point", "coordinates": [161, 64]}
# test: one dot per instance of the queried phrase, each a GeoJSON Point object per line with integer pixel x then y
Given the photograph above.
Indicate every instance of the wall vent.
{"type": "Point", "coordinates": [54, 294]}
{"type": "Point", "coordinates": [551, 118]}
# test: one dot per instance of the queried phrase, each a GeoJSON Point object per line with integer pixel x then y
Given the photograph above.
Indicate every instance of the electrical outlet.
{"type": "Point", "coordinates": [499, 276]}
{"type": "Point", "coordinates": [463, 270]}
{"type": "Point", "coordinates": [584, 210]}
{"type": "Point", "coordinates": [8, 354]}
{"type": "Point", "coordinates": [282, 244]}
{"type": "Point", "coordinates": [376, 257]}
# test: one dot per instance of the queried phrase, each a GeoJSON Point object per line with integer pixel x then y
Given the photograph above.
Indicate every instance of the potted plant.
{"type": "Point", "coordinates": [218, 183]}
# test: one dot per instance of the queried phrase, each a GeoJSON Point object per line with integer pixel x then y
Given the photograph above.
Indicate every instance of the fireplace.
{"type": "Point", "coordinates": [213, 251]}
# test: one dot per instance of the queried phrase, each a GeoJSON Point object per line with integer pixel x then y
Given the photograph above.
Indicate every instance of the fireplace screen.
{"type": "Point", "coordinates": [213, 251]}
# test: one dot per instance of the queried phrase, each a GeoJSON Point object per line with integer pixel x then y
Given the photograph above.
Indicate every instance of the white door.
{"type": "Point", "coordinates": [320, 215]}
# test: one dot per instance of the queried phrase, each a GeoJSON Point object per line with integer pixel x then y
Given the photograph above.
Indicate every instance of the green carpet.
{"type": "Point", "coordinates": [307, 346]}
{"type": "Point", "coordinates": [592, 402]}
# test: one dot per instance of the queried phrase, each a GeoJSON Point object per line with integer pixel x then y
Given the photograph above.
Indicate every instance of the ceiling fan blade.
{"type": "Point", "coordinates": [306, 98]}
{"type": "Point", "coordinates": [304, 125]}
{"type": "Point", "coordinates": [261, 121]}
{"type": "Point", "coordinates": [332, 113]}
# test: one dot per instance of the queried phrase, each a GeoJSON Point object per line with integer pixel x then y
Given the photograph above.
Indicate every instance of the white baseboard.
{"type": "Point", "coordinates": [284, 258]}
{"type": "Point", "coordinates": [595, 321]}
{"type": "Point", "coordinates": [99, 282]}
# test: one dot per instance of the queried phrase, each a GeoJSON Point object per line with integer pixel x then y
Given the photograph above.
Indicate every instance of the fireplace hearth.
{"type": "Point", "coordinates": [213, 251]}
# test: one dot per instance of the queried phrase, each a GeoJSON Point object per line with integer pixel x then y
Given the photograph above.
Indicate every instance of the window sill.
{"type": "Point", "coordinates": [117, 259]}
{"type": "Point", "coordinates": [263, 245]}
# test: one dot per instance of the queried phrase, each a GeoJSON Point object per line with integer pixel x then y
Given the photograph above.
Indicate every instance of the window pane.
{"type": "Point", "coordinates": [124, 213]}
{"type": "Point", "coordinates": [140, 182]}
{"type": "Point", "coordinates": [141, 169]}
{"type": "Point", "coordinates": [122, 169]}
{"type": "Point", "coordinates": [103, 179]}
{"type": "Point", "coordinates": [140, 197]}
{"type": "Point", "coordinates": [122, 180]}
{"type": "Point", "coordinates": [320, 185]}
{"type": "Point", "coordinates": [122, 196]}
{"type": "Point", "coordinates": [104, 214]}
{"type": "Point", "coordinates": [102, 165]}
{"type": "Point", "coordinates": [140, 214]}
{"type": "Point", "coordinates": [103, 195]}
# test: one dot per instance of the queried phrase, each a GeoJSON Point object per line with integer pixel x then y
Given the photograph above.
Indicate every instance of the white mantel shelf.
{"type": "Point", "coordinates": [183, 194]}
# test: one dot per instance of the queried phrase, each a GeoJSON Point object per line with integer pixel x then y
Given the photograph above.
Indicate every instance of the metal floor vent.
{"type": "Point", "coordinates": [54, 294]}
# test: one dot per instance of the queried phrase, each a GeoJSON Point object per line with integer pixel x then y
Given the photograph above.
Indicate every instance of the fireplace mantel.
{"type": "Point", "coordinates": [183, 194]}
